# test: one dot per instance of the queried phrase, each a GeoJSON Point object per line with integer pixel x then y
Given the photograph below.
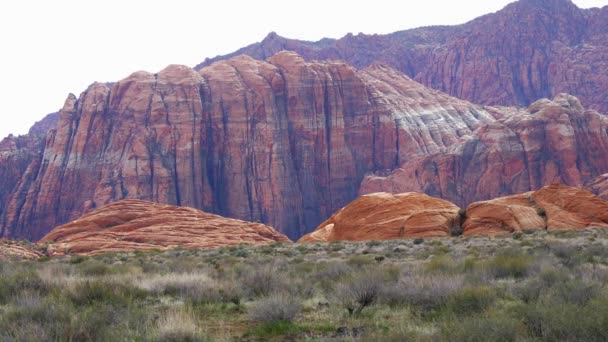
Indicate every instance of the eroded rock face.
{"type": "Point", "coordinates": [550, 208]}
{"type": "Point", "coordinates": [550, 142]}
{"type": "Point", "coordinates": [129, 225]}
{"type": "Point", "coordinates": [284, 142]}
{"type": "Point", "coordinates": [18, 250]}
{"type": "Point", "coordinates": [529, 50]}
{"type": "Point", "coordinates": [383, 216]}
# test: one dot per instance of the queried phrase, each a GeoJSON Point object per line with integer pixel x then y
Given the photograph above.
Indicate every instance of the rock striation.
{"type": "Point", "coordinates": [383, 216]}
{"type": "Point", "coordinates": [19, 250]}
{"type": "Point", "coordinates": [554, 141]}
{"type": "Point", "coordinates": [284, 142]}
{"type": "Point", "coordinates": [554, 207]}
{"type": "Point", "coordinates": [529, 50]}
{"type": "Point", "coordinates": [129, 225]}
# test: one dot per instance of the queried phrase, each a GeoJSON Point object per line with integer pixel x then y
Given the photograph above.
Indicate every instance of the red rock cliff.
{"type": "Point", "coordinates": [550, 142]}
{"type": "Point", "coordinates": [284, 142]}
{"type": "Point", "coordinates": [529, 50]}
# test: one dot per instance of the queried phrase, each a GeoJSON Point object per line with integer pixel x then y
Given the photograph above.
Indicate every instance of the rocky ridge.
{"type": "Point", "coordinates": [529, 50]}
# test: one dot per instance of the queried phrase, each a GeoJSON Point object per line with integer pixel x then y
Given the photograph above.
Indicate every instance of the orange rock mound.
{"type": "Point", "coordinates": [383, 216]}
{"type": "Point", "coordinates": [138, 225]}
{"type": "Point", "coordinates": [552, 207]}
{"type": "Point", "coordinates": [18, 250]}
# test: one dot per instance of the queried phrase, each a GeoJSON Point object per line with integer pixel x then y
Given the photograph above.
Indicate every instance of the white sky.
{"type": "Point", "coordinates": [51, 48]}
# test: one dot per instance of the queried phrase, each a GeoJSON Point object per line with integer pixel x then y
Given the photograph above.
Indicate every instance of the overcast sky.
{"type": "Point", "coordinates": [51, 48]}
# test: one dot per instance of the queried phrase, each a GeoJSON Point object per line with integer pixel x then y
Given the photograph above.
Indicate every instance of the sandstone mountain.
{"type": "Point", "coordinates": [550, 142]}
{"type": "Point", "coordinates": [283, 141]}
{"type": "Point", "coordinates": [529, 50]}
{"type": "Point", "coordinates": [382, 216]}
{"type": "Point", "coordinates": [550, 208]}
{"type": "Point", "coordinates": [129, 225]}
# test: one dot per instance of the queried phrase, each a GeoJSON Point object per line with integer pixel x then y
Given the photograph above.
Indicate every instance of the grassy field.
{"type": "Point", "coordinates": [531, 286]}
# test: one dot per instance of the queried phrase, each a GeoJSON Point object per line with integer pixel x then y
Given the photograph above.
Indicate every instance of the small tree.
{"type": "Point", "coordinates": [360, 291]}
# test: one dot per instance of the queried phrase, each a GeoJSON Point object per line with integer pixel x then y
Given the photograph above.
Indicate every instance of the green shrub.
{"type": "Point", "coordinates": [96, 291]}
{"type": "Point", "coordinates": [20, 280]}
{"type": "Point", "coordinates": [424, 293]}
{"type": "Point", "coordinates": [77, 259]}
{"type": "Point", "coordinates": [94, 268]}
{"type": "Point", "coordinates": [509, 265]}
{"type": "Point", "coordinates": [471, 300]}
{"type": "Point", "coordinates": [541, 212]}
{"type": "Point", "coordinates": [480, 329]}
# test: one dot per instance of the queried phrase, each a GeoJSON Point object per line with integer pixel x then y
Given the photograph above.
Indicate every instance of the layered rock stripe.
{"type": "Point", "coordinates": [284, 142]}
{"type": "Point", "coordinates": [554, 141]}
{"type": "Point", "coordinates": [129, 225]}
{"type": "Point", "coordinates": [383, 216]}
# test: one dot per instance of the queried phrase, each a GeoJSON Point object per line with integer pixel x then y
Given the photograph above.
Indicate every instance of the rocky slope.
{"type": "Point", "coordinates": [551, 142]}
{"type": "Point", "coordinates": [283, 142]}
{"type": "Point", "coordinates": [550, 208]}
{"type": "Point", "coordinates": [19, 250]}
{"type": "Point", "coordinates": [138, 225]}
{"type": "Point", "coordinates": [529, 50]}
{"type": "Point", "coordinates": [383, 216]}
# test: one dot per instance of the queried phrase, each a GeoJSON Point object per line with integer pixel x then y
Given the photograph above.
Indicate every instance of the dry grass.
{"type": "Point", "coordinates": [534, 286]}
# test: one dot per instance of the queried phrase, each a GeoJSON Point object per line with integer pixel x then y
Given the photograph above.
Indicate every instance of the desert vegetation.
{"type": "Point", "coordinates": [531, 286]}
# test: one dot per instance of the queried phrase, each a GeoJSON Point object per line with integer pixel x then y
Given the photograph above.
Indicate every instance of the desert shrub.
{"type": "Point", "coordinates": [91, 292]}
{"type": "Point", "coordinates": [541, 212]}
{"type": "Point", "coordinates": [575, 291]}
{"type": "Point", "coordinates": [373, 243]}
{"type": "Point", "coordinates": [509, 265]}
{"type": "Point", "coordinates": [456, 230]}
{"type": "Point", "coordinates": [44, 321]}
{"type": "Point", "coordinates": [230, 292]}
{"type": "Point", "coordinates": [194, 287]}
{"type": "Point", "coordinates": [567, 254]}
{"type": "Point", "coordinates": [360, 261]}
{"type": "Point", "coordinates": [263, 281]}
{"type": "Point", "coordinates": [471, 300]}
{"type": "Point", "coordinates": [480, 329]}
{"type": "Point", "coordinates": [77, 259]}
{"type": "Point", "coordinates": [20, 280]}
{"type": "Point", "coordinates": [94, 268]}
{"type": "Point", "coordinates": [424, 293]}
{"type": "Point", "coordinates": [552, 320]}
{"type": "Point", "coordinates": [441, 264]}
{"type": "Point", "coordinates": [277, 307]}
{"type": "Point", "coordinates": [360, 291]}
{"type": "Point", "coordinates": [328, 274]}
{"type": "Point", "coordinates": [177, 325]}
{"type": "Point", "coordinates": [418, 241]}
